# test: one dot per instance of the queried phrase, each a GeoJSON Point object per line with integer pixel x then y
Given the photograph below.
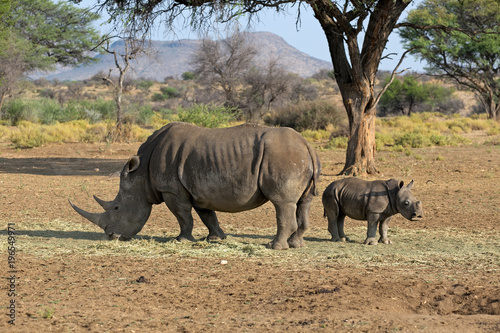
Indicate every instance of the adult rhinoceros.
{"type": "Point", "coordinates": [230, 170]}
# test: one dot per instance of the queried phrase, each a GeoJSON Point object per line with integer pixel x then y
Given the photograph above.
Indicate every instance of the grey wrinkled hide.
{"type": "Point", "coordinates": [373, 201]}
{"type": "Point", "coordinates": [230, 170]}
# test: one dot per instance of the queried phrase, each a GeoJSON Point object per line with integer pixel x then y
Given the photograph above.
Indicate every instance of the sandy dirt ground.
{"type": "Point", "coordinates": [63, 290]}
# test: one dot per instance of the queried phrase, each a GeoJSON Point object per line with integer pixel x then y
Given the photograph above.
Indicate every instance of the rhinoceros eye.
{"type": "Point", "coordinates": [116, 207]}
{"type": "Point", "coordinates": [407, 203]}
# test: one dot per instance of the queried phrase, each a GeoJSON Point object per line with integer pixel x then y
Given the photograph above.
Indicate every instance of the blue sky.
{"type": "Point", "coordinates": [308, 38]}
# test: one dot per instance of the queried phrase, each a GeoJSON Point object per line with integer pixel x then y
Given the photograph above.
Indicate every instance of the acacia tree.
{"type": "Point", "coordinates": [456, 51]}
{"type": "Point", "coordinates": [355, 64]}
{"type": "Point", "coordinates": [38, 34]}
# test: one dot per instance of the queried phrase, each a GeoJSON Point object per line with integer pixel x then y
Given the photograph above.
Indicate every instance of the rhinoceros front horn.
{"type": "Point", "coordinates": [92, 217]}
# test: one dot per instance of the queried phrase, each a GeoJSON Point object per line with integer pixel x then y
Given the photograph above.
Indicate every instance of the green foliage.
{"type": "Point", "coordinates": [467, 50]}
{"type": "Point", "coordinates": [92, 110]}
{"type": "Point", "coordinates": [169, 92]}
{"type": "Point", "coordinates": [166, 93]}
{"type": "Point", "coordinates": [145, 85]}
{"type": "Point", "coordinates": [315, 135]}
{"type": "Point", "coordinates": [207, 115]}
{"type": "Point", "coordinates": [313, 115]}
{"type": "Point", "coordinates": [338, 142]}
{"type": "Point", "coordinates": [49, 111]}
{"type": "Point", "coordinates": [408, 95]}
{"type": "Point", "coordinates": [53, 32]}
{"type": "Point", "coordinates": [140, 115]}
{"type": "Point", "coordinates": [188, 76]}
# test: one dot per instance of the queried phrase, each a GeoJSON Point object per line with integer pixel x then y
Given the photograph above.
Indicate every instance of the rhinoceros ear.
{"type": "Point", "coordinates": [410, 185]}
{"type": "Point", "coordinates": [401, 184]}
{"type": "Point", "coordinates": [133, 163]}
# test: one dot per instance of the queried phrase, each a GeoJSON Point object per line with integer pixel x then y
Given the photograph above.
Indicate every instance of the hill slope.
{"type": "Point", "coordinates": [172, 58]}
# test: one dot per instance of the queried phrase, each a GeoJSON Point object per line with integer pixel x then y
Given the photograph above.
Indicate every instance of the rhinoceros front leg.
{"type": "Point", "coordinates": [209, 218]}
{"type": "Point", "coordinates": [287, 225]}
{"type": "Point", "coordinates": [384, 225]}
{"type": "Point", "coordinates": [372, 230]}
{"type": "Point", "coordinates": [182, 211]}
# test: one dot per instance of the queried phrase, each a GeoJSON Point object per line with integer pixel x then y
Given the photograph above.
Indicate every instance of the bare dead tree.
{"type": "Point", "coordinates": [265, 86]}
{"type": "Point", "coordinates": [132, 48]}
{"type": "Point", "coordinates": [223, 64]}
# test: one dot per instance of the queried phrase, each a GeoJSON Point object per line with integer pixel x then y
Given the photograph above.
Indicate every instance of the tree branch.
{"type": "Point", "coordinates": [393, 75]}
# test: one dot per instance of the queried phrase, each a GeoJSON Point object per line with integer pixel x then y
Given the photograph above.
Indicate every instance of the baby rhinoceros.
{"type": "Point", "coordinates": [373, 201]}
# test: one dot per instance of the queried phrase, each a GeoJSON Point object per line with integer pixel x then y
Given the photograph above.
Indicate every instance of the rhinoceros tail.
{"type": "Point", "coordinates": [316, 168]}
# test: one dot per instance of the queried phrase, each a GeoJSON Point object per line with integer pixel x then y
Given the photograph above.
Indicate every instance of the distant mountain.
{"type": "Point", "coordinates": [172, 58]}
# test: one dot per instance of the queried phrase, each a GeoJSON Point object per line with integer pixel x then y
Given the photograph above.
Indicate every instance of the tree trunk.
{"type": "Point", "coordinates": [2, 97]}
{"type": "Point", "coordinates": [119, 92]}
{"type": "Point", "coordinates": [361, 147]}
{"type": "Point", "coordinates": [492, 108]}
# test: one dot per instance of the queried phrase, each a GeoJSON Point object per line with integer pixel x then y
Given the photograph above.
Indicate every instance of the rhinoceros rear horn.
{"type": "Point", "coordinates": [107, 205]}
{"type": "Point", "coordinates": [92, 217]}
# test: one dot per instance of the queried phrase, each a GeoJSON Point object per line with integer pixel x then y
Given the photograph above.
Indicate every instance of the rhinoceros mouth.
{"type": "Point", "coordinates": [416, 217]}
{"type": "Point", "coordinates": [113, 236]}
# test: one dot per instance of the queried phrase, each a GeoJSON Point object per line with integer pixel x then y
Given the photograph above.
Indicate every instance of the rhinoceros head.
{"type": "Point", "coordinates": [125, 216]}
{"type": "Point", "coordinates": [407, 204]}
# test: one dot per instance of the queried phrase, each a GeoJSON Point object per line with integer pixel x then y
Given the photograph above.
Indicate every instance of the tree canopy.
{"type": "Point", "coordinates": [38, 34]}
{"type": "Point", "coordinates": [53, 32]}
{"type": "Point", "coordinates": [466, 48]}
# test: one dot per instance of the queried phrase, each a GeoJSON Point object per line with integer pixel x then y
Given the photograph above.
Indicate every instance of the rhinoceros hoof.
{"type": "Point", "coordinates": [185, 238]}
{"type": "Point", "coordinates": [296, 243]}
{"type": "Point", "coordinates": [214, 238]}
{"type": "Point", "coordinates": [338, 239]}
{"type": "Point", "coordinates": [277, 246]}
{"type": "Point", "coordinates": [385, 241]}
{"type": "Point", "coordinates": [371, 241]}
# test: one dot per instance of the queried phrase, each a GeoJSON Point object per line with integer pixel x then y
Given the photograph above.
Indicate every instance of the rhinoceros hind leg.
{"type": "Point", "coordinates": [287, 225]}
{"type": "Point", "coordinates": [297, 238]}
{"type": "Point", "coordinates": [209, 218]}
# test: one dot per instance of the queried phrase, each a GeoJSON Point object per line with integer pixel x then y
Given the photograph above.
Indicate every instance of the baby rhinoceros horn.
{"type": "Point", "coordinates": [97, 219]}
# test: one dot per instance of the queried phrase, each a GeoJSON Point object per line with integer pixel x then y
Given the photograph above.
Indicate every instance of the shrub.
{"type": "Point", "coordinates": [165, 93]}
{"type": "Point", "coordinates": [157, 97]}
{"type": "Point", "coordinates": [207, 115]}
{"type": "Point", "coordinates": [140, 115]}
{"type": "Point", "coordinates": [407, 95]}
{"type": "Point", "coordinates": [338, 142]}
{"type": "Point", "coordinates": [145, 85]}
{"type": "Point", "coordinates": [312, 115]}
{"type": "Point", "coordinates": [414, 139]}
{"type": "Point", "coordinates": [316, 135]}
{"type": "Point", "coordinates": [17, 110]}
{"type": "Point", "coordinates": [170, 92]}
{"type": "Point", "coordinates": [188, 76]}
{"type": "Point", "coordinates": [92, 110]}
